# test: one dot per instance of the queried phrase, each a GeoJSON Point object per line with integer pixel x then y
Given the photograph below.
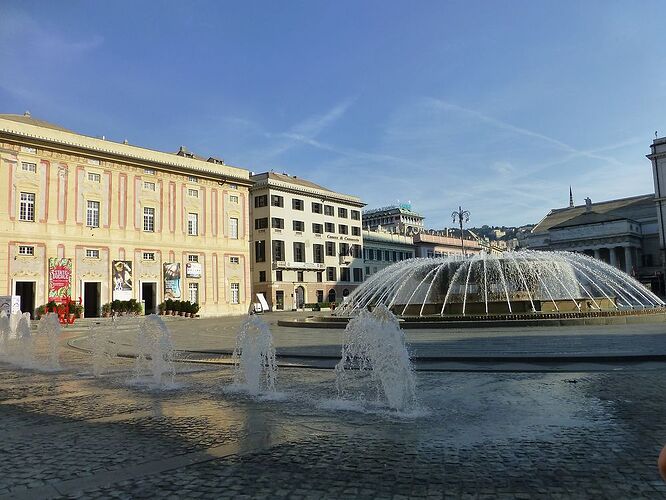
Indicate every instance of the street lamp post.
{"type": "Point", "coordinates": [462, 216]}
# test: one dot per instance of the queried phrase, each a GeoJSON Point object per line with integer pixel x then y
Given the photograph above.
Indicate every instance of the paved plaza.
{"type": "Point", "coordinates": [551, 434]}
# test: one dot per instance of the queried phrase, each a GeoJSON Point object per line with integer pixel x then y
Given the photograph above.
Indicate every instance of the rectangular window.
{"type": "Point", "coordinates": [261, 223]}
{"type": "Point", "coordinates": [235, 293]}
{"type": "Point", "coordinates": [317, 228]}
{"type": "Point", "coordinates": [149, 219]}
{"type": "Point", "coordinates": [297, 204]}
{"type": "Point", "coordinates": [260, 201]}
{"type": "Point", "coordinates": [330, 274]}
{"type": "Point", "coordinates": [330, 248]}
{"type": "Point", "coordinates": [29, 167]}
{"type": "Point", "coordinates": [355, 215]}
{"type": "Point", "coordinates": [299, 225]}
{"type": "Point", "coordinates": [260, 251]}
{"type": "Point", "coordinates": [193, 289]}
{"type": "Point", "coordinates": [342, 212]}
{"type": "Point", "coordinates": [92, 253]}
{"type": "Point", "coordinates": [26, 250]}
{"type": "Point", "coordinates": [330, 227]}
{"type": "Point", "coordinates": [94, 177]}
{"type": "Point", "coordinates": [299, 252]}
{"type": "Point", "coordinates": [299, 276]}
{"type": "Point", "coordinates": [343, 229]}
{"type": "Point", "coordinates": [192, 179]}
{"type": "Point", "coordinates": [233, 198]}
{"type": "Point", "coordinates": [371, 254]}
{"type": "Point", "coordinates": [358, 274]}
{"type": "Point", "coordinates": [329, 210]}
{"type": "Point", "coordinates": [149, 186]}
{"type": "Point", "coordinates": [395, 256]}
{"type": "Point", "coordinates": [234, 260]}
{"type": "Point", "coordinates": [387, 255]}
{"type": "Point", "coordinates": [278, 276]}
{"type": "Point", "coordinates": [356, 231]}
{"type": "Point", "coordinates": [277, 223]}
{"type": "Point", "coordinates": [28, 149]}
{"type": "Point", "coordinates": [318, 253]}
{"type": "Point", "coordinates": [148, 255]}
{"type": "Point", "coordinates": [277, 201]}
{"type": "Point", "coordinates": [192, 224]}
{"type": "Point", "coordinates": [27, 207]}
{"type": "Point", "coordinates": [193, 193]}
{"type": "Point", "coordinates": [343, 249]}
{"type": "Point", "coordinates": [278, 250]}
{"type": "Point", "coordinates": [344, 274]}
{"type": "Point", "coordinates": [92, 214]}
{"type": "Point", "coordinates": [193, 258]}
{"type": "Point", "coordinates": [320, 279]}
{"type": "Point", "coordinates": [149, 171]}
{"type": "Point", "coordinates": [316, 207]}
{"type": "Point", "coordinates": [233, 228]}
{"type": "Point", "coordinates": [262, 276]}
{"type": "Point", "coordinates": [233, 186]}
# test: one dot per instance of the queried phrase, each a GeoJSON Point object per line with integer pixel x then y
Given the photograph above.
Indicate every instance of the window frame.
{"type": "Point", "coordinates": [27, 206]}
{"type": "Point", "coordinates": [149, 219]}
{"type": "Point", "coordinates": [92, 213]}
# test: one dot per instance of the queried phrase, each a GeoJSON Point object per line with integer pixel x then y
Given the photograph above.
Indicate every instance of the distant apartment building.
{"type": "Point", "coordinates": [438, 243]}
{"type": "Point", "coordinates": [101, 220]}
{"type": "Point", "coordinates": [307, 243]}
{"type": "Point", "coordinates": [383, 248]}
{"type": "Point", "coordinates": [399, 219]}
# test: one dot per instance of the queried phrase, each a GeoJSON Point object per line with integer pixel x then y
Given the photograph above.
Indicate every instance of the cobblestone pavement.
{"type": "Point", "coordinates": [67, 434]}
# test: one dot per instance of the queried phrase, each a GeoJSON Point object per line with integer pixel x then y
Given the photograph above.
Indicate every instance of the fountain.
{"type": "Point", "coordinates": [509, 284]}
{"type": "Point", "coordinates": [376, 343]}
{"type": "Point", "coordinates": [5, 332]}
{"type": "Point", "coordinates": [23, 352]}
{"type": "Point", "coordinates": [49, 326]}
{"type": "Point", "coordinates": [255, 369]}
{"type": "Point", "coordinates": [155, 352]}
{"type": "Point", "coordinates": [103, 348]}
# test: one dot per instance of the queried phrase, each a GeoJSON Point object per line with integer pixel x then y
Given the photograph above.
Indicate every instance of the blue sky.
{"type": "Point", "coordinates": [496, 106]}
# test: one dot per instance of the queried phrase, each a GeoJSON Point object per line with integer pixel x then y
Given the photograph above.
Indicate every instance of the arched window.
{"type": "Point", "coordinates": [331, 295]}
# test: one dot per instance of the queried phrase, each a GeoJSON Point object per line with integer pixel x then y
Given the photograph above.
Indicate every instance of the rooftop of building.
{"type": "Point", "coordinates": [299, 184]}
{"type": "Point", "coordinates": [403, 208]}
{"type": "Point", "coordinates": [36, 130]}
{"type": "Point", "coordinates": [603, 211]}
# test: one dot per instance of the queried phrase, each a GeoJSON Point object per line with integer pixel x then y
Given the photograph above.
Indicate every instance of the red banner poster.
{"type": "Point", "coordinates": [60, 279]}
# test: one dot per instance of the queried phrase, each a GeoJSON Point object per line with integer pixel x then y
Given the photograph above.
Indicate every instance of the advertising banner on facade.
{"type": "Point", "coordinates": [193, 270]}
{"type": "Point", "coordinates": [60, 278]}
{"type": "Point", "coordinates": [121, 275]}
{"type": "Point", "coordinates": [172, 280]}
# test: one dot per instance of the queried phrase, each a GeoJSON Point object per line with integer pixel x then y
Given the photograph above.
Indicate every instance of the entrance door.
{"type": "Point", "coordinates": [300, 297]}
{"type": "Point", "coordinates": [279, 299]}
{"type": "Point", "coordinates": [149, 296]}
{"type": "Point", "coordinates": [91, 292]}
{"type": "Point", "coordinates": [26, 290]}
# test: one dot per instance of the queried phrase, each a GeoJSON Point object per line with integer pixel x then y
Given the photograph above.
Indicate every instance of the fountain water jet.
{"type": "Point", "coordinates": [103, 349]}
{"type": "Point", "coordinates": [376, 343]}
{"type": "Point", "coordinates": [155, 352]}
{"type": "Point", "coordinates": [49, 326]}
{"type": "Point", "coordinates": [23, 353]}
{"type": "Point", "coordinates": [255, 368]}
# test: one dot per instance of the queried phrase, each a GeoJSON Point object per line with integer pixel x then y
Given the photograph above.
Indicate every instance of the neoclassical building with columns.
{"type": "Point", "coordinates": [92, 218]}
{"type": "Point", "coordinates": [623, 232]}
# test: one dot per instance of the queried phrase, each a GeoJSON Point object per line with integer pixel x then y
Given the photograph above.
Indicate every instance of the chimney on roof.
{"type": "Point", "coordinates": [588, 204]}
{"type": "Point", "coordinates": [27, 114]}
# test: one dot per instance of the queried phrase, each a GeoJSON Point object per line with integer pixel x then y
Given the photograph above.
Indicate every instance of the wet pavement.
{"type": "Point", "coordinates": [584, 434]}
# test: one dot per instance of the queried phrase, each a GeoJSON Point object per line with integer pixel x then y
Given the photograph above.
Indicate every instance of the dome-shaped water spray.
{"type": "Point", "coordinates": [509, 283]}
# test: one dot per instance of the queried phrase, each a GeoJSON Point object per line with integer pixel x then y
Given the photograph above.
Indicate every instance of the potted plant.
{"type": "Point", "coordinates": [168, 307]}
{"type": "Point", "coordinates": [160, 308]}
{"type": "Point", "coordinates": [106, 310]}
{"type": "Point", "coordinates": [195, 309]}
{"type": "Point", "coordinates": [40, 311]}
{"type": "Point", "coordinates": [51, 306]}
{"type": "Point", "coordinates": [75, 310]}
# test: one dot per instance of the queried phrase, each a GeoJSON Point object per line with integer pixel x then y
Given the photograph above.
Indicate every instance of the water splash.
{"type": "Point", "coordinates": [255, 368]}
{"type": "Point", "coordinates": [5, 333]}
{"type": "Point", "coordinates": [375, 344]}
{"type": "Point", "coordinates": [102, 348]}
{"type": "Point", "coordinates": [155, 352]}
{"type": "Point", "coordinates": [23, 353]}
{"type": "Point", "coordinates": [49, 326]}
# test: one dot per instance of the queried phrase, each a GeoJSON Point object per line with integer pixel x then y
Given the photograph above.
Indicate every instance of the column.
{"type": "Point", "coordinates": [628, 259]}
{"type": "Point", "coordinates": [613, 256]}
{"type": "Point", "coordinates": [597, 254]}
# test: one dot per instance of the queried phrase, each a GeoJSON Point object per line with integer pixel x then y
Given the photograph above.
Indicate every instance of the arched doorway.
{"type": "Point", "coordinates": [345, 292]}
{"type": "Point", "coordinates": [300, 297]}
{"type": "Point", "coordinates": [331, 295]}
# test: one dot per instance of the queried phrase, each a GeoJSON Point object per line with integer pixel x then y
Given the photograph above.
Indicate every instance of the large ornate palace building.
{"type": "Point", "coordinates": [100, 220]}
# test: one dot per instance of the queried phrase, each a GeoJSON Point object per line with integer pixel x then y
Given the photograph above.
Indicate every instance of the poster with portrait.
{"type": "Point", "coordinates": [60, 278]}
{"type": "Point", "coordinates": [121, 276]}
{"type": "Point", "coordinates": [172, 280]}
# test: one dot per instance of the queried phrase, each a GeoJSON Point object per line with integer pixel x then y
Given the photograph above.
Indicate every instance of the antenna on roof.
{"type": "Point", "coordinates": [571, 203]}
